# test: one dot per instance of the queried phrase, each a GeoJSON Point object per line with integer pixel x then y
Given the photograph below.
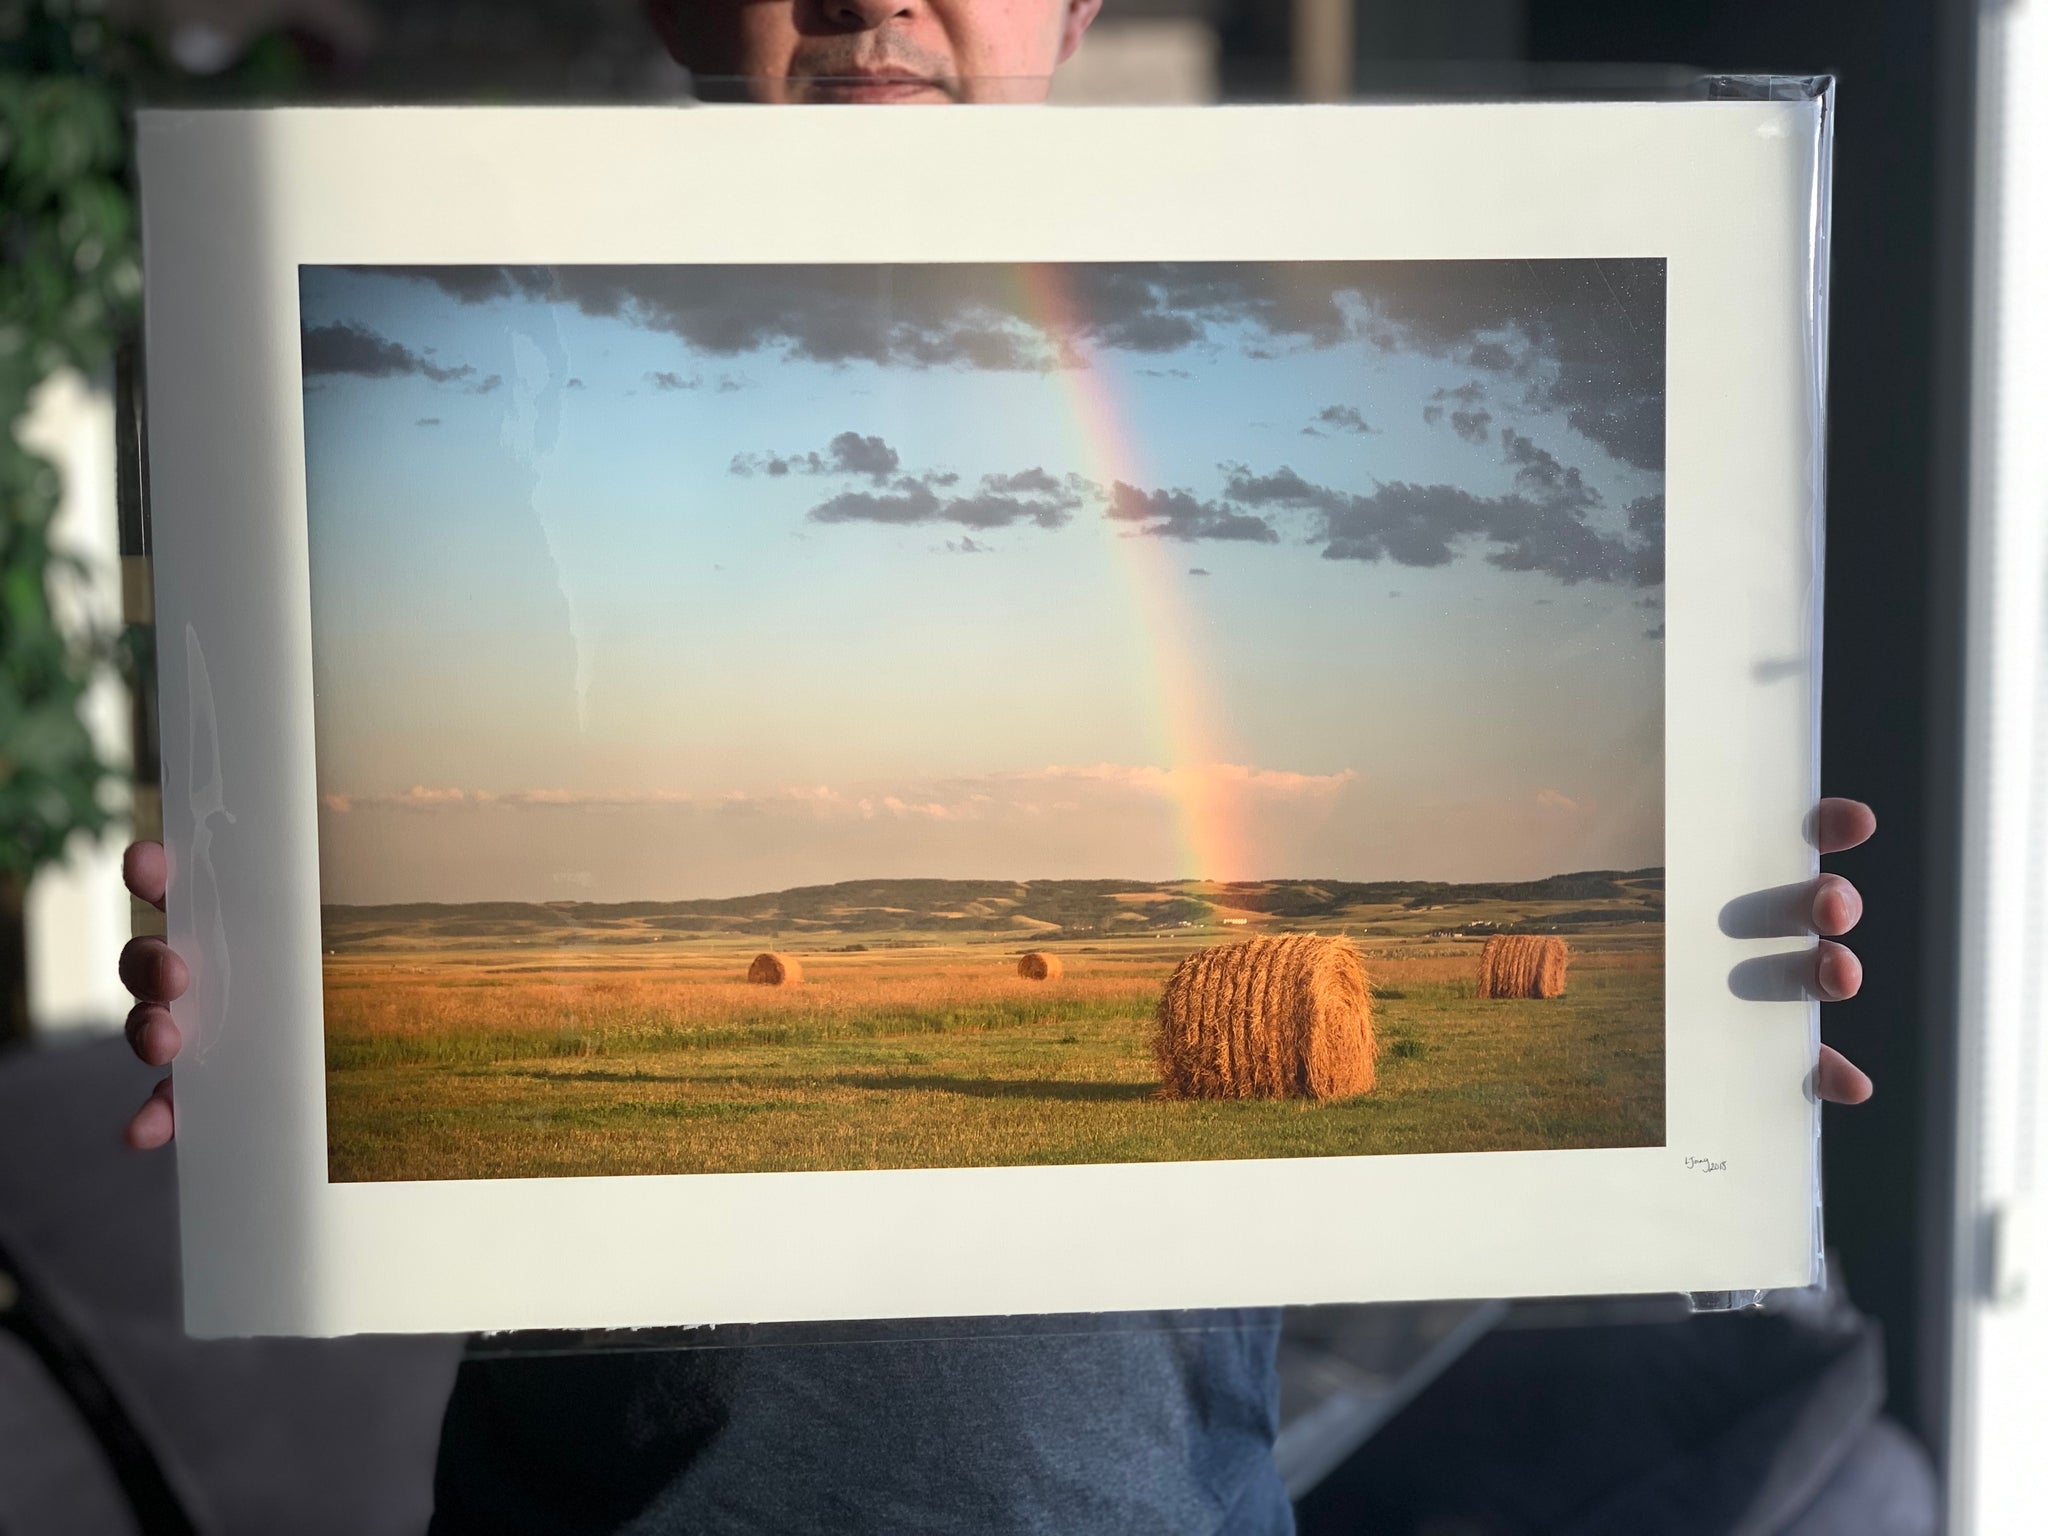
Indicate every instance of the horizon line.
{"type": "Point", "coordinates": [676, 901]}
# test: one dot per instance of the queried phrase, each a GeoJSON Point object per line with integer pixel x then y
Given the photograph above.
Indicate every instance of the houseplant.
{"type": "Point", "coordinates": [70, 285]}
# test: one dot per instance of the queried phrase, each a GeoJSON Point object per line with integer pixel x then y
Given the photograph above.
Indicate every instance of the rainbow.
{"type": "Point", "coordinates": [1181, 723]}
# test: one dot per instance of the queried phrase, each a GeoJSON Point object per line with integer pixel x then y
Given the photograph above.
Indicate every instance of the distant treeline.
{"type": "Point", "coordinates": [1075, 907]}
{"type": "Point", "coordinates": [1287, 898]}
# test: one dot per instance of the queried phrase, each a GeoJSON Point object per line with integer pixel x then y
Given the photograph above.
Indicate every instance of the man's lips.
{"type": "Point", "coordinates": [872, 85]}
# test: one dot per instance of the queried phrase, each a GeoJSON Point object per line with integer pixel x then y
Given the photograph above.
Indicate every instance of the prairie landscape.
{"type": "Point", "coordinates": [496, 1040]}
{"type": "Point", "coordinates": [855, 586]}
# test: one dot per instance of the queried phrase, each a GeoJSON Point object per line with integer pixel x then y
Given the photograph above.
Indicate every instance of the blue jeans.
{"type": "Point", "coordinates": [1130, 1424]}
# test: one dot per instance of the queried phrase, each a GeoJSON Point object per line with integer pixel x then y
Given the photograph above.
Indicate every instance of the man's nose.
{"type": "Point", "coordinates": [864, 15]}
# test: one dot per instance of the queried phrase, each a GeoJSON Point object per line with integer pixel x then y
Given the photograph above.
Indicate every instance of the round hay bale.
{"type": "Point", "coordinates": [1283, 1017]}
{"type": "Point", "coordinates": [1037, 965]}
{"type": "Point", "coordinates": [1523, 965]}
{"type": "Point", "coordinates": [772, 970]}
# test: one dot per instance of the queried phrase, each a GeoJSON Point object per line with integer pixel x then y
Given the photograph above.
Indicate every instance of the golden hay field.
{"type": "Point", "coordinates": [524, 1051]}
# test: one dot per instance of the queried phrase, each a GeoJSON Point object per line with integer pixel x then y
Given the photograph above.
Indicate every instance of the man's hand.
{"type": "Point", "coordinates": [156, 977]}
{"type": "Point", "coordinates": [1838, 974]}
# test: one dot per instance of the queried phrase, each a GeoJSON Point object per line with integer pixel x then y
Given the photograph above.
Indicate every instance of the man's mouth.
{"type": "Point", "coordinates": [875, 85]}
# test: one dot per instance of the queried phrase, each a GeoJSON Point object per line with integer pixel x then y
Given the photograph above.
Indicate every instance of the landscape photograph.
{"type": "Point", "coordinates": [807, 718]}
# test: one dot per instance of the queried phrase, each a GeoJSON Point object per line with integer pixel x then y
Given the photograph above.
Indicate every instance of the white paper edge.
{"type": "Point", "coordinates": [235, 201]}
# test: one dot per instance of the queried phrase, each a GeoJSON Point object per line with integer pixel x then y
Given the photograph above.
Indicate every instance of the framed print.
{"type": "Point", "coordinates": [1183, 707]}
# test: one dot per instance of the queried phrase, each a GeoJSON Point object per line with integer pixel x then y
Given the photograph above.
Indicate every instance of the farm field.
{"type": "Point", "coordinates": [507, 1040]}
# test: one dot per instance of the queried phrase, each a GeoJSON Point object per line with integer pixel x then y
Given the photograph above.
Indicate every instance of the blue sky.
{"type": "Point", "coordinates": [665, 582]}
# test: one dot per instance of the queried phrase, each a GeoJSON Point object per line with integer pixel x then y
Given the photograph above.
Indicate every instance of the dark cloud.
{"type": "Point", "coordinates": [1026, 481]}
{"type": "Point", "coordinates": [1196, 570]}
{"type": "Point", "coordinates": [485, 386]}
{"type": "Point", "coordinates": [1469, 424]}
{"type": "Point", "coordinates": [348, 348]}
{"type": "Point", "coordinates": [1409, 524]}
{"type": "Point", "coordinates": [1543, 524]}
{"type": "Point", "coordinates": [428, 421]}
{"type": "Point", "coordinates": [575, 384]}
{"type": "Point", "coordinates": [853, 454]}
{"type": "Point", "coordinates": [1165, 373]}
{"type": "Point", "coordinates": [1282, 488]}
{"type": "Point", "coordinates": [940, 315]}
{"type": "Point", "coordinates": [1425, 525]}
{"type": "Point", "coordinates": [668, 381]}
{"type": "Point", "coordinates": [999, 501]}
{"type": "Point", "coordinates": [1473, 426]}
{"type": "Point", "coordinates": [1584, 338]}
{"type": "Point", "coordinates": [770, 464]}
{"type": "Point", "coordinates": [1539, 475]}
{"type": "Point", "coordinates": [1550, 537]}
{"type": "Point", "coordinates": [967, 546]}
{"type": "Point", "coordinates": [1464, 406]}
{"type": "Point", "coordinates": [1539, 526]}
{"type": "Point", "coordinates": [1646, 528]}
{"type": "Point", "coordinates": [992, 510]}
{"type": "Point", "coordinates": [850, 453]}
{"type": "Point", "coordinates": [1179, 514]}
{"type": "Point", "coordinates": [1340, 418]}
{"type": "Point", "coordinates": [912, 504]}
{"type": "Point", "coordinates": [1654, 634]}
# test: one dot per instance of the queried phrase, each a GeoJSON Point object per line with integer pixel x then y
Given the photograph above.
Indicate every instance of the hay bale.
{"type": "Point", "coordinates": [1037, 965]}
{"type": "Point", "coordinates": [1523, 965]}
{"type": "Point", "coordinates": [772, 970]}
{"type": "Point", "coordinates": [1283, 1017]}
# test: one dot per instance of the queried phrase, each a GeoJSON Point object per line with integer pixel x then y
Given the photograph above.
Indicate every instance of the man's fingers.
{"type": "Point", "coordinates": [1837, 973]}
{"type": "Point", "coordinates": [1837, 906]}
{"type": "Point", "coordinates": [155, 1122]}
{"type": "Point", "coordinates": [1839, 1080]}
{"type": "Point", "coordinates": [144, 870]}
{"type": "Point", "coordinates": [1843, 824]}
{"type": "Point", "coordinates": [152, 971]}
{"type": "Point", "coordinates": [153, 1033]}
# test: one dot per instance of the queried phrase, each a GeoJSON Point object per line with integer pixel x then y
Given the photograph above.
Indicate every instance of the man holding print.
{"type": "Point", "coordinates": [1026, 1426]}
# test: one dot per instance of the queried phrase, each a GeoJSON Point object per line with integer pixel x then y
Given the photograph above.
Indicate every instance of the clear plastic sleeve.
{"type": "Point", "coordinates": [1029, 750]}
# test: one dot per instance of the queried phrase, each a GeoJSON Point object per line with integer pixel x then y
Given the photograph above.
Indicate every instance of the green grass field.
{"type": "Point", "coordinates": [509, 1042]}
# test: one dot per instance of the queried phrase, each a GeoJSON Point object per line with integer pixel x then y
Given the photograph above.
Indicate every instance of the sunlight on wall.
{"type": "Point", "coordinates": [78, 913]}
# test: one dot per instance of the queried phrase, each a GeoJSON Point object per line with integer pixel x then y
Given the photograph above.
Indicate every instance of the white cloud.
{"type": "Point", "coordinates": [1177, 782]}
{"type": "Point", "coordinates": [982, 798]}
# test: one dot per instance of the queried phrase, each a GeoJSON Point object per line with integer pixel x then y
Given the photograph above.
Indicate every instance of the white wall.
{"type": "Point", "coordinates": [78, 912]}
{"type": "Point", "coordinates": [1142, 61]}
{"type": "Point", "coordinates": [1998, 1457]}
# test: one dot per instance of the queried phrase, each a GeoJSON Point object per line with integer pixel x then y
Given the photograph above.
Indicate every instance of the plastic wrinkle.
{"type": "Point", "coordinates": [206, 1005]}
